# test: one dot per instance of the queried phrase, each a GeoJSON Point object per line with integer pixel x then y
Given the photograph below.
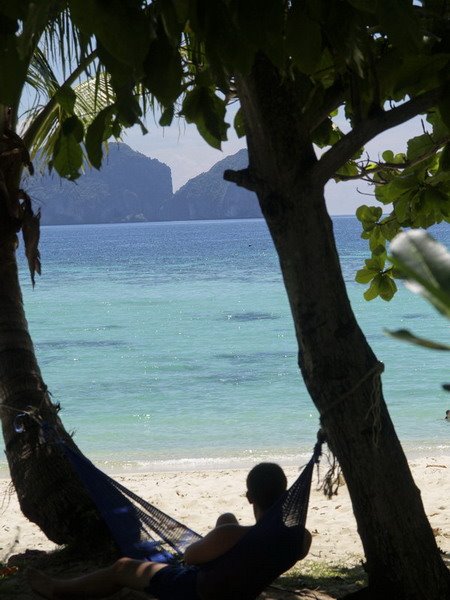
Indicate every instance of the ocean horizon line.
{"type": "Point", "coordinates": [193, 221]}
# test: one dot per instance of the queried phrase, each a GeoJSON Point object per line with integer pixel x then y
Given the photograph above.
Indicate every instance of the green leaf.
{"type": "Point", "coordinates": [167, 116]}
{"type": "Point", "coordinates": [403, 183]}
{"type": "Point", "coordinates": [38, 16]}
{"type": "Point", "coordinates": [426, 264]}
{"type": "Point", "coordinates": [239, 125]}
{"type": "Point", "coordinates": [116, 128]}
{"type": "Point", "coordinates": [67, 157]}
{"type": "Point", "coordinates": [383, 193]}
{"type": "Point", "coordinates": [399, 21]}
{"type": "Point", "coordinates": [350, 169]}
{"type": "Point", "coordinates": [379, 250]}
{"type": "Point", "coordinates": [440, 129]}
{"type": "Point", "coordinates": [407, 336]}
{"type": "Point", "coordinates": [386, 287]}
{"type": "Point", "coordinates": [202, 107]}
{"type": "Point", "coordinates": [434, 198]}
{"type": "Point", "coordinates": [66, 98]}
{"type": "Point", "coordinates": [326, 134]}
{"type": "Point", "coordinates": [389, 228]}
{"type": "Point", "coordinates": [444, 110]}
{"type": "Point", "coordinates": [73, 126]}
{"type": "Point", "coordinates": [402, 209]}
{"type": "Point", "coordinates": [376, 240]}
{"type": "Point", "coordinates": [127, 107]}
{"type": "Point", "coordinates": [444, 159]}
{"type": "Point", "coordinates": [376, 263]}
{"type": "Point", "coordinates": [368, 214]}
{"type": "Point", "coordinates": [97, 132]}
{"type": "Point", "coordinates": [417, 72]}
{"type": "Point", "coordinates": [223, 38]}
{"type": "Point", "coordinates": [373, 291]}
{"type": "Point", "coordinates": [171, 20]}
{"type": "Point", "coordinates": [364, 275]}
{"type": "Point", "coordinates": [419, 146]}
{"type": "Point", "coordinates": [123, 29]}
{"type": "Point", "coordinates": [303, 39]}
{"type": "Point", "coordinates": [363, 5]}
{"type": "Point", "coordinates": [182, 9]}
{"type": "Point", "coordinates": [261, 24]}
{"type": "Point", "coordinates": [163, 71]}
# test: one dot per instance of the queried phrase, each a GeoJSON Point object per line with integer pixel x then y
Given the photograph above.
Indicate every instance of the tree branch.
{"type": "Point", "coordinates": [382, 166]}
{"type": "Point", "coordinates": [242, 178]}
{"type": "Point", "coordinates": [346, 147]}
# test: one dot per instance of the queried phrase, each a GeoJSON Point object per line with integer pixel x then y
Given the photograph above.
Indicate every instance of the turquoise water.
{"type": "Point", "coordinates": [170, 345]}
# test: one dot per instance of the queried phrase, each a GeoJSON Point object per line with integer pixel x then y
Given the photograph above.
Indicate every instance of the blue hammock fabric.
{"type": "Point", "coordinates": [142, 531]}
{"type": "Point", "coordinates": [139, 529]}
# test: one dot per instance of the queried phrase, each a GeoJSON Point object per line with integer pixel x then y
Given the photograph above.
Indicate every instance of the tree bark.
{"type": "Point", "coordinates": [49, 492]}
{"type": "Point", "coordinates": [340, 370]}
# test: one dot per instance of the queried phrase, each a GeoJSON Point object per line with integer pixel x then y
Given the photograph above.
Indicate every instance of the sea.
{"type": "Point", "coordinates": [170, 346]}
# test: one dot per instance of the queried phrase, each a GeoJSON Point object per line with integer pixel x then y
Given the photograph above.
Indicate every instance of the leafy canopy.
{"type": "Point", "coordinates": [378, 62]}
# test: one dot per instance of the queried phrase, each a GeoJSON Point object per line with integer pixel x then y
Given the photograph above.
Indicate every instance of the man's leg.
{"type": "Point", "coordinates": [226, 519]}
{"type": "Point", "coordinates": [125, 572]}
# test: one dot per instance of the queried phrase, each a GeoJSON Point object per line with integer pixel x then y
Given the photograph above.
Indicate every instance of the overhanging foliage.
{"type": "Point", "coordinates": [379, 63]}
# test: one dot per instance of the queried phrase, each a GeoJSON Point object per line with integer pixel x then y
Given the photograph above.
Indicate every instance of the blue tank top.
{"type": "Point", "coordinates": [268, 549]}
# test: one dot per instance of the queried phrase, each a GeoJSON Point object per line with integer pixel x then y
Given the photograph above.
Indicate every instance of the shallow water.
{"type": "Point", "coordinates": [170, 345]}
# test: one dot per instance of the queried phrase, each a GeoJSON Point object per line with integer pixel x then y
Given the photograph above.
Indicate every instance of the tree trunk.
{"type": "Point", "coordinates": [49, 492]}
{"type": "Point", "coordinates": [340, 370]}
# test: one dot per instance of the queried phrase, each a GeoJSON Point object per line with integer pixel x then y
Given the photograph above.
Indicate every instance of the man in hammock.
{"type": "Point", "coordinates": [211, 570]}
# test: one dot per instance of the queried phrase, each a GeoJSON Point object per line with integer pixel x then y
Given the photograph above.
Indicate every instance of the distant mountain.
{"type": "Point", "coordinates": [209, 196]}
{"type": "Point", "coordinates": [128, 187]}
{"type": "Point", "coordinates": [132, 187]}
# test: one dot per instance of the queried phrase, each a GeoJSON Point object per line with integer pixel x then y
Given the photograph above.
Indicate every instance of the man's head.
{"type": "Point", "coordinates": [265, 484]}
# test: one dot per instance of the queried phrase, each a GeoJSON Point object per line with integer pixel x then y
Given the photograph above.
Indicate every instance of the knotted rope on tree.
{"type": "Point", "coordinates": [333, 478]}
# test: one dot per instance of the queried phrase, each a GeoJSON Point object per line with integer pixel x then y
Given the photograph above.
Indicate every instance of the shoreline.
{"type": "Point", "coordinates": [198, 497]}
{"type": "Point", "coordinates": [109, 462]}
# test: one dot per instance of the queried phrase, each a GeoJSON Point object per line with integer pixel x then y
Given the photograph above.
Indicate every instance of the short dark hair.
{"type": "Point", "coordinates": [265, 484]}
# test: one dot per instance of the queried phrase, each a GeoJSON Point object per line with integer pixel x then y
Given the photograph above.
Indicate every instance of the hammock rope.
{"type": "Point", "coordinates": [142, 531]}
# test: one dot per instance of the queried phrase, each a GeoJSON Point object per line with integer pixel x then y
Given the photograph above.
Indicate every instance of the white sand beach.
{"type": "Point", "coordinates": [197, 498]}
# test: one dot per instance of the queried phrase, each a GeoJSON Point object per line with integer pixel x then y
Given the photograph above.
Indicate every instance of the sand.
{"type": "Point", "coordinates": [197, 498]}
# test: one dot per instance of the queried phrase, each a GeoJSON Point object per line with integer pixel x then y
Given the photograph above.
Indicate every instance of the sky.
{"type": "Point", "coordinates": [187, 154]}
{"type": "Point", "coordinates": [182, 148]}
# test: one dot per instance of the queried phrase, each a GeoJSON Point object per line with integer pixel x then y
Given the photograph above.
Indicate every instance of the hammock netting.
{"type": "Point", "coordinates": [142, 531]}
{"type": "Point", "coordinates": [139, 529]}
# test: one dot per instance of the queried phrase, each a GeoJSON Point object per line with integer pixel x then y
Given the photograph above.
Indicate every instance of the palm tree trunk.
{"type": "Point", "coordinates": [50, 494]}
{"type": "Point", "coordinates": [340, 370]}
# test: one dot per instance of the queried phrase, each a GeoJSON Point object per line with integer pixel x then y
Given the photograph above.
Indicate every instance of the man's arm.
{"type": "Point", "coordinates": [214, 544]}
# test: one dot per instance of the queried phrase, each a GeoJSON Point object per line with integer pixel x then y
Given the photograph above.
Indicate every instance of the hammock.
{"type": "Point", "coordinates": [142, 531]}
{"type": "Point", "coordinates": [268, 549]}
{"type": "Point", "coordinates": [139, 529]}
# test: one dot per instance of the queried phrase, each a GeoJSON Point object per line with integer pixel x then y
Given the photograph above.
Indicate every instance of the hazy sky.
{"type": "Point", "coordinates": [182, 148]}
{"type": "Point", "coordinates": [187, 154]}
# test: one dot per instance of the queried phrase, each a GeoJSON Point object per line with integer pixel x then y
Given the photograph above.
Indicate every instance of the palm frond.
{"type": "Point", "coordinates": [91, 96]}
{"type": "Point", "coordinates": [41, 78]}
{"type": "Point", "coordinates": [65, 44]}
